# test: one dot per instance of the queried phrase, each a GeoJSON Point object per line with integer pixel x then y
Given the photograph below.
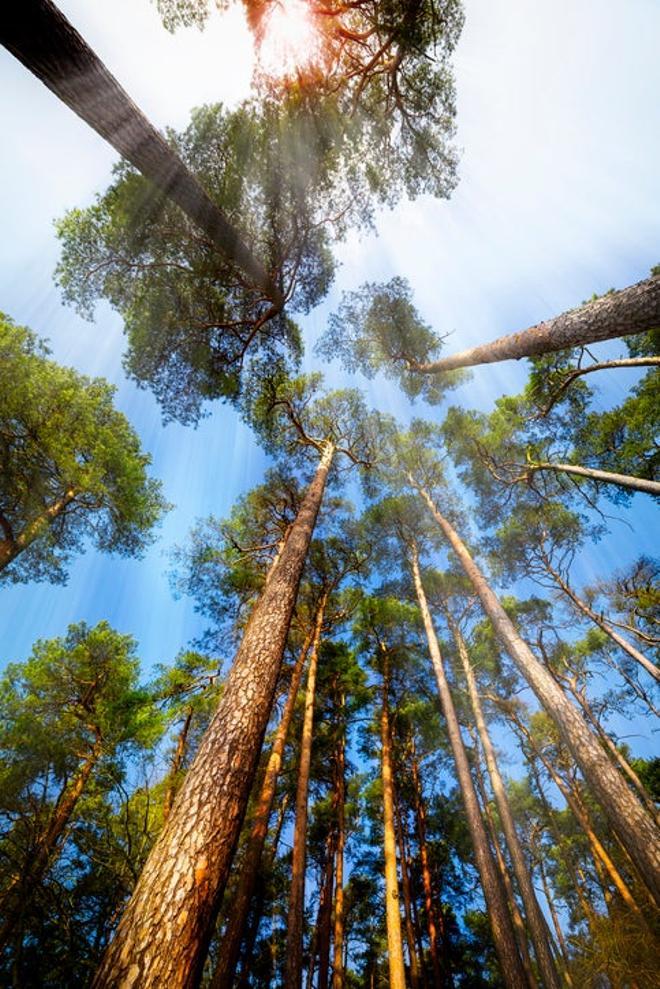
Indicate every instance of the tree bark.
{"type": "Point", "coordinates": [296, 914]}
{"type": "Point", "coordinates": [604, 476]}
{"type": "Point", "coordinates": [338, 932]}
{"type": "Point", "coordinates": [163, 935]}
{"type": "Point", "coordinates": [635, 309]}
{"type": "Point", "coordinates": [41, 37]}
{"type": "Point", "coordinates": [231, 942]}
{"type": "Point", "coordinates": [324, 919]}
{"type": "Point", "coordinates": [11, 548]}
{"type": "Point", "coordinates": [392, 910]}
{"type": "Point", "coordinates": [177, 762]}
{"type": "Point", "coordinates": [513, 972]}
{"type": "Point", "coordinates": [535, 919]}
{"type": "Point", "coordinates": [407, 897]}
{"type": "Point", "coordinates": [626, 813]}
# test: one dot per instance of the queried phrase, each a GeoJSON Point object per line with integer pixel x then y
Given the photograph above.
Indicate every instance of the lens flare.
{"type": "Point", "coordinates": [289, 39]}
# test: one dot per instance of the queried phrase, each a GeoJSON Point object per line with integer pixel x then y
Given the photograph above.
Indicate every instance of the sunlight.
{"type": "Point", "coordinates": [289, 40]}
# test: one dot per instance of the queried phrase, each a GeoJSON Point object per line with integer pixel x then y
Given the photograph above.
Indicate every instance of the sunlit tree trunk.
{"type": "Point", "coordinates": [324, 919]}
{"type": "Point", "coordinates": [513, 972]}
{"type": "Point", "coordinates": [626, 813]}
{"type": "Point", "coordinates": [11, 548]}
{"type": "Point", "coordinates": [176, 764]}
{"type": "Point", "coordinates": [338, 932]}
{"type": "Point", "coordinates": [533, 913]}
{"type": "Point", "coordinates": [407, 897]}
{"type": "Point", "coordinates": [40, 36]}
{"type": "Point", "coordinates": [163, 935]}
{"type": "Point", "coordinates": [296, 913]}
{"type": "Point", "coordinates": [392, 910]}
{"type": "Point", "coordinates": [627, 481]}
{"type": "Point", "coordinates": [240, 905]}
{"type": "Point", "coordinates": [635, 309]}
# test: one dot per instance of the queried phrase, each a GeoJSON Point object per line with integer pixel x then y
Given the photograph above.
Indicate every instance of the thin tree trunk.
{"type": "Point", "coordinates": [626, 813]}
{"type": "Point", "coordinates": [11, 548]}
{"type": "Point", "coordinates": [240, 906]}
{"type": "Point", "coordinates": [535, 919]}
{"type": "Point", "coordinates": [559, 934]}
{"type": "Point", "coordinates": [513, 972]}
{"type": "Point", "coordinates": [604, 477]}
{"type": "Point", "coordinates": [324, 920]}
{"type": "Point", "coordinates": [635, 309]}
{"type": "Point", "coordinates": [392, 910]}
{"type": "Point", "coordinates": [164, 933]}
{"type": "Point", "coordinates": [296, 914]}
{"type": "Point", "coordinates": [583, 607]}
{"type": "Point", "coordinates": [41, 37]}
{"type": "Point", "coordinates": [175, 765]}
{"type": "Point", "coordinates": [572, 376]}
{"type": "Point", "coordinates": [338, 932]}
{"type": "Point", "coordinates": [407, 897]}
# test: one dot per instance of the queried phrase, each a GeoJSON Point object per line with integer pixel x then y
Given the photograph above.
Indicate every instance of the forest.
{"type": "Point", "coordinates": [408, 741]}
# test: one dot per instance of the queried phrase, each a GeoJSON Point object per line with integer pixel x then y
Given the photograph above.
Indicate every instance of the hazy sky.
{"type": "Point", "coordinates": [559, 197]}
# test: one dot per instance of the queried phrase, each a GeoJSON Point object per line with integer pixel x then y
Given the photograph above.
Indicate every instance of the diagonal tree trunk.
{"type": "Point", "coordinates": [176, 764]}
{"type": "Point", "coordinates": [627, 481]}
{"type": "Point", "coordinates": [511, 966]}
{"type": "Point", "coordinates": [535, 919]}
{"type": "Point", "coordinates": [41, 37]}
{"type": "Point", "coordinates": [10, 548]}
{"type": "Point", "coordinates": [635, 309]}
{"type": "Point", "coordinates": [164, 933]}
{"type": "Point", "coordinates": [629, 818]}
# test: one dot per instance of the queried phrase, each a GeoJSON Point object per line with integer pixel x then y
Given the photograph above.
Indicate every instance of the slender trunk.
{"type": "Point", "coordinates": [11, 548]}
{"type": "Point", "coordinates": [407, 897]}
{"type": "Point", "coordinates": [535, 919]}
{"type": "Point", "coordinates": [338, 933]}
{"type": "Point", "coordinates": [635, 309]}
{"type": "Point", "coordinates": [583, 607]}
{"type": "Point", "coordinates": [513, 972]}
{"type": "Point", "coordinates": [324, 919]}
{"type": "Point", "coordinates": [429, 907]}
{"type": "Point", "coordinates": [296, 914]}
{"type": "Point", "coordinates": [41, 37]}
{"type": "Point", "coordinates": [598, 366]}
{"type": "Point", "coordinates": [163, 935]}
{"type": "Point", "coordinates": [392, 912]}
{"type": "Point", "coordinates": [240, 906]}
{"type": "Point", "coordinates": [626, 813]}
{"type": "Point", "coordinates": [559, 934]}
{"type": "Point", "coordinates": [604, 477]}
{"type": "Point", "coordinates": [175, 765]}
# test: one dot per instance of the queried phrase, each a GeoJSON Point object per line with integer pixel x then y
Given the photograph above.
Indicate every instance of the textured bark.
{"type": "Point", "coordinates": [338, 931]}
{"type": "Point", "coordinates": [296, 914]}
{"type": "Point", "coordinates": [605, 477]}
{"type": "Point", "coordinates": [407, 898]}
{"type": "Point", "coordinates": [392, 910]}
{"type": "Point", "coordinates": [513, 972]}
{"type": "Point", "coordinates": [41, 37]}
{"type": "Point", "coordinates": [163, 935]}
{"type": "Point", "coordinates": [535, 919]}
{"type": "Point", "coordinates": [584, 608]}
{"type": "Point", "coordinates": [635, 309]}
{"type": "Point", "coordinates": [231, 942]}
{"type": "Point", "coordinates": [627, 815]}
{"type": "Point", "coordinates": [11, 548]}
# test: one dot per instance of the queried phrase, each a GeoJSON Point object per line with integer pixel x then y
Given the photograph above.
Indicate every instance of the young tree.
{"type": "Point", "coordinates": [71, 467]}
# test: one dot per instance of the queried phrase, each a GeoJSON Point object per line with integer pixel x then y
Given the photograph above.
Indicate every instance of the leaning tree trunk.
{"type": "Point", "coordinates": [164, 933]}
{"type": "Point", "coordinates": [635, 309]}
{"type": "Point", "coordinates": [296, 914]}
{"type": "Point", "coordinates": [627, 481]}
{"type": "Point", "coordinates": [535, 919]}
{"type": "Point", "coordinates": [338, 930]}
{"type": "Point", "coordinates": [628, 817]}
{"type": "Point", "coordinates": [511, 965]}
{"type": "Point", "coordinates": [177, 763]}
{"type": "Point", "coordinates": [41, 37]}
{"type": "Point", "coordinates": [392, 912]}
{"type": "Point", "coordinates": [230, 946]}
{"type": "Point", "coordinates": [12, 547]}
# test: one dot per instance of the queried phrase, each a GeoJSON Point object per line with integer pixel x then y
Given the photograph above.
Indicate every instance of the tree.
{"type": "Point", "coordinates": [71, 467]}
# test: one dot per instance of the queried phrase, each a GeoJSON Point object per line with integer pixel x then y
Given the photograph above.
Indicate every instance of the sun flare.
{"type": "Point", "coordinates": [290, 40]}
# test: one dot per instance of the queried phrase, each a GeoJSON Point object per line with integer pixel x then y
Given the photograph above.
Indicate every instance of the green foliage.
{"type": "Point", "coordinates": [71, 467]}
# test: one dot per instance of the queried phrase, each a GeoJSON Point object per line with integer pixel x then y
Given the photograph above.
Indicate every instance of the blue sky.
{"type": "Point", "coordinates": [559, 197]}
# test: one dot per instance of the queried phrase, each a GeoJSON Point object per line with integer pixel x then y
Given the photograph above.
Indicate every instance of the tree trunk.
{"type": "Point", "coordinates": [240, 906]}
{"type": "Point", "coordinates": [296, 914]}
{"type": "Point", "coordinates": [163, 935]}
{"type": "Point", "coordinates": [535, 919]}
{"type": "Point", "coordinates": [392, 911]}
{"type": "Point", "coordinates": [11, 548]}
{"type": "Point", "coordinates": [513, 972]}
{"type": "Point", "coordinates": [175, 766]}
{"type": "Point", "coordinates": [635, 309]}
{"type": "Point", "coordinates": [559, 934]}
{"type": "Point", "coordinates": [407, 897]}
{"type": "Point", "coordinates": [338, 932]}
{"type": "Point", "coordinates": [41, 37]}
{"type": "Point", "coordinates": [324, 919]}
{"type": "Point", "coordinates": [627, 481]}
{"type": "Point", "coordinates": [627, 815]}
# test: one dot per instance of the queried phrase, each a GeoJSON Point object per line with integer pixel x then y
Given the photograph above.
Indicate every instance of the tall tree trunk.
{"type": "Point", "coordinates": [392, 910]}
{"type": "Point", "coordinates": [176, 764]}
{"type": "Point", "coordinates": [240, 906]}
{"type": "Point", "coordinates": [296, 914]}
{"type": "Point", "coordinates": [164, 933]}
{"type": "Point", "coordinates": [627, 481]}
{"type": "Point", "coordinates": [513, 972]}
{"type": "Point", "coordinates": [429, 906]}
{"type": "Point", "coordinates": [584, 608]}
{"type": "Point", "coordinates": [41, 37]}
{"type": "Point", "coordinates": [535, 919]}
{"type": "Point", "coordinates": [556, 923]}
{"type": "Point", "coordinates": [324, 919]}
{"type": "Point", "coordinates": [11, 548]}
{"type": "Point", "coordinates": [635, 309]}
{"type": "Point", "coordinates": [407, 897]}
{"type": "Point", "coordinates": [21, 888]}
{"type": "Point", "coordinates": [626, 813]}
{"type": "Point", "coordinates": [338, 932]}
